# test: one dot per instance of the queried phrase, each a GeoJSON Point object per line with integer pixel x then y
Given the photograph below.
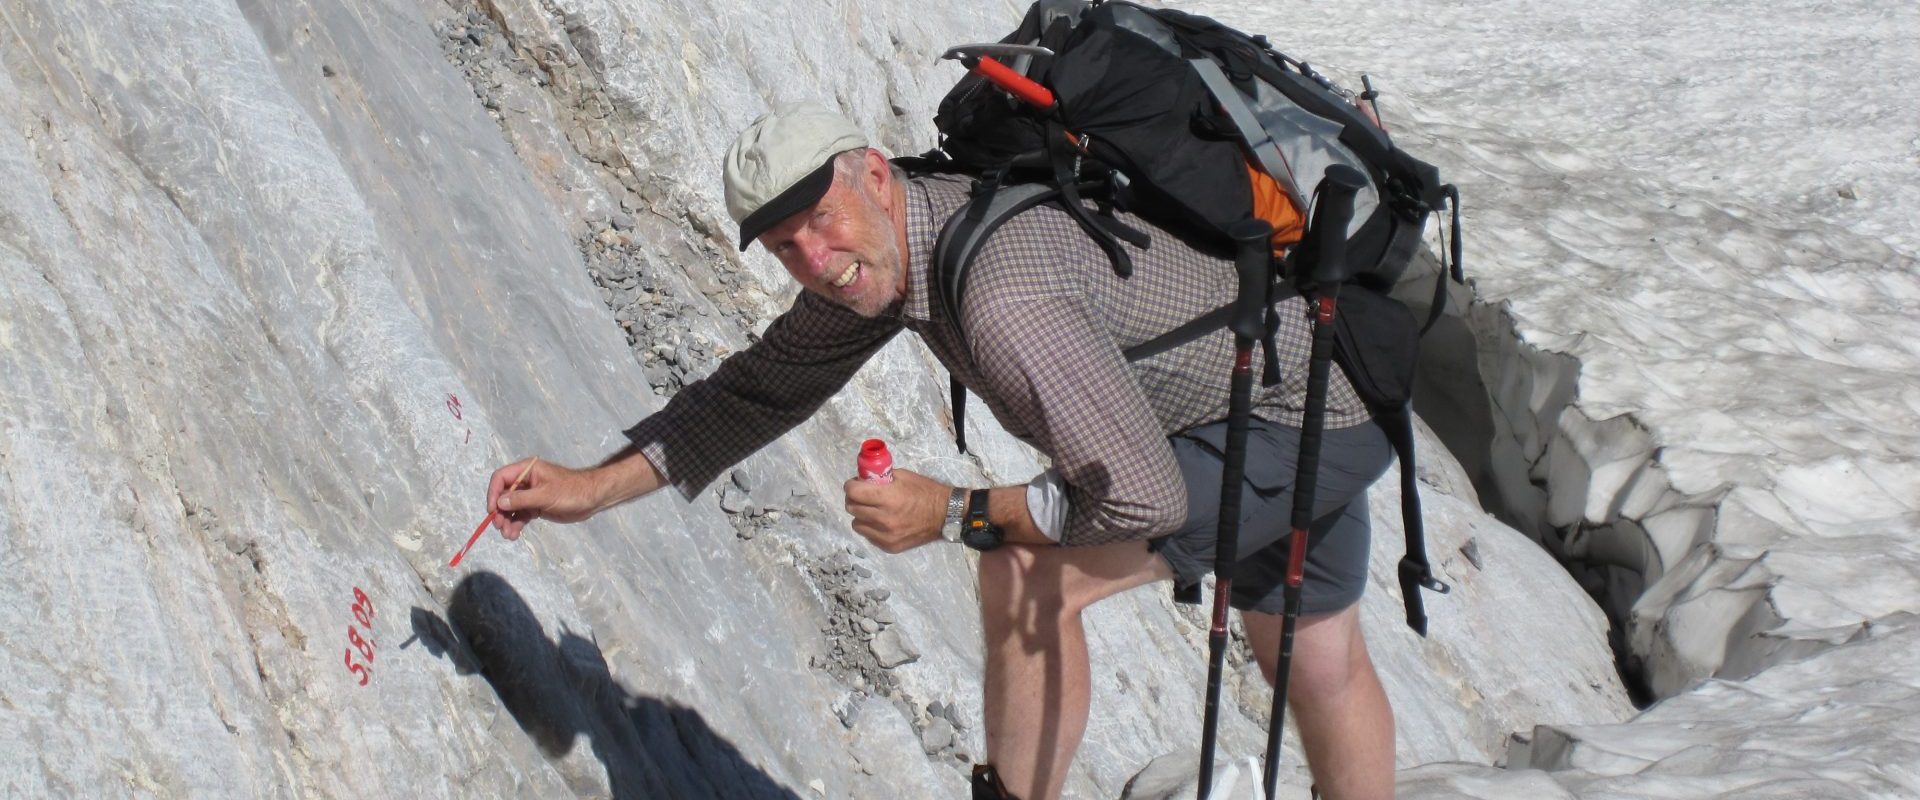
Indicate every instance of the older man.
{"type": "Point", "coordinates": [1133, 493]}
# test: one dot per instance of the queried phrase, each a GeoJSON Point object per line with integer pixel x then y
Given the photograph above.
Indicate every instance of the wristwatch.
{"type": "Point", "coordinates": [980, 533]}
{"type": "Point", "coordinates": [956, 515]}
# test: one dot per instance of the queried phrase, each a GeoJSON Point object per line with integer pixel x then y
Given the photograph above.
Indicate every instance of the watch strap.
{"type": "Point", "coordinates": [979, 532]}
{"type": "Point", "coordinates": [956, 514]}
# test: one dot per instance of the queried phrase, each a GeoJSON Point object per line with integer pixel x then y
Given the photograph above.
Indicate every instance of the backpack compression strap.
{"type": "Point", "coordinates": [1415, 572]}
{"type": "Point", "coordinates": [1258, 141]}
{"type": "Point", "coordinates": [1452, 254]}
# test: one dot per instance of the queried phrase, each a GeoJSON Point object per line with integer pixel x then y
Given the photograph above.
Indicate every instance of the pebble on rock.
{"type": "Point", "coordinates": [938, 736]}
{"type": "Point", "coordinates": [892, 649]}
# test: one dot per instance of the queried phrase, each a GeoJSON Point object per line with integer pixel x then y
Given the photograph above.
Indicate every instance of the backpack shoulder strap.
{"type": "Point", "coordinates": [961, 238]}
{"type": "Point", "coordinates": [954, 250]}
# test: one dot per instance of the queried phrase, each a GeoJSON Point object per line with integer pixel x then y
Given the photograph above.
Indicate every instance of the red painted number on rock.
{"type": "Point", "coordinates": [365, 647]}
{"type": "Point", "coordinates": [363, 614]}
{"type": "Point", "coordinates": [362, 609]}
{"type": "Point", "coordinates": [453, 405]}
{"type": "Point", "coordinates": [364, 673]}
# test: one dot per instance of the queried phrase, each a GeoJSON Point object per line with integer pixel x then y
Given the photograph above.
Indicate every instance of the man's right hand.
{"type": "Point", "coordinates": [556, 493]}
{"type": "Point", "coordinates": [549, 491]}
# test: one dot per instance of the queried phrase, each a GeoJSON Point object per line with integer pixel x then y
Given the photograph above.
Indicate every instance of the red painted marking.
{"type": "Point", "coordinates": [453, 405]}
{"type": "Point", "coordinates": [364, 673]}
{"type": "Point", "coordinates": [362, 614]}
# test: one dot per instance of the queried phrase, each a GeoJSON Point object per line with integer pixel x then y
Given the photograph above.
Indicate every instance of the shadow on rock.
{"type": "Point", "coordinates": [560, 690]}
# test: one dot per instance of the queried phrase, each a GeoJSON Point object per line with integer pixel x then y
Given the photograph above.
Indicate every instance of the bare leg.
{"type": "Point", "coordinates": [1037, 676]}
{"type": "Point", "coordinates": [1346, 725]}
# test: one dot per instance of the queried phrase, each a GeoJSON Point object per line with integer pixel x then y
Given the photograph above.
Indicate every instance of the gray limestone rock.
{"type": "Point", "coordinates": [265, 333]}
{"type": "Point", "coordinates": [733, 500]}
{"type": "Point", "coordinates": [937, 736]}
{"type": "Point", "coordinates": [892, 649]}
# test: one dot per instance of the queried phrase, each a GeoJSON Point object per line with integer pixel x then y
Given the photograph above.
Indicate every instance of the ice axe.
{"type": "Point", "coordinates": [979, 59]}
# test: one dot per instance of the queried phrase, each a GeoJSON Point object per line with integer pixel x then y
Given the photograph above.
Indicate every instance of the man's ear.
{"type": "Point", "coordinates": [879, 174]}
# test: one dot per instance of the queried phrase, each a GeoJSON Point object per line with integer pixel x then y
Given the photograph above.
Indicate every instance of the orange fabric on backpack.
{"type": "Point", "coordinates": [1271, 203]}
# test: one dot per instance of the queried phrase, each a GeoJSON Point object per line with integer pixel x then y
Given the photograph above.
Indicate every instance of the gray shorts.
{"type": "Point", "coordinates": [1337, 544]}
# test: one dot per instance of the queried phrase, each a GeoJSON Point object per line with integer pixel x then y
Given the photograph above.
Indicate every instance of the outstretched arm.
{"type": "Point", "coordinates": [552, 492]}
{"type": "Point", "coordinates": [754, 396]}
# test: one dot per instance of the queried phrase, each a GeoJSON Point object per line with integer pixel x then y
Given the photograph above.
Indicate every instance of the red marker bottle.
{"type": "Point", "coordinates": [876, 463]}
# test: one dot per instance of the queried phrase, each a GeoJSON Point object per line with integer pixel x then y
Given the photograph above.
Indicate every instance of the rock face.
{"type": "Point", "coordinates": [280, 283]}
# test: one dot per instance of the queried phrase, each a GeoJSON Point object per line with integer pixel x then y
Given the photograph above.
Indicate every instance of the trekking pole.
{"type": "Point", "coordinates": [1329, 269]}
{"type": "Point", "coordinates": [1254, 262]}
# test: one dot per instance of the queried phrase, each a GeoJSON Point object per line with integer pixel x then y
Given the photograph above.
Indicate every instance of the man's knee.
{"type": "Point", "coordinates": [1330, 655]}
{"type": "Point", "coordinates": [1011, 584]}
{"type": "Point", "coordinates": [1059, 583]}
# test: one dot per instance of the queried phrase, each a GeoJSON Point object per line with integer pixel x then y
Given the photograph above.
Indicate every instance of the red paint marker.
{"type": "Point", "coordinates": [490, 515]}
{"type": "Point", "coordinates": [470, 540]}
{"type": "Point", "coordinates": [876, 462]}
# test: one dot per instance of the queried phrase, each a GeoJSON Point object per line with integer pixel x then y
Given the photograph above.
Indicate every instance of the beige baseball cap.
{"type": "Point", "coordinates": [783, 163]}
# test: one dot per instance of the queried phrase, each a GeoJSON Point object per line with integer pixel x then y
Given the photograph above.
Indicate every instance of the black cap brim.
{"type": "Point", "coordinates": [797, 198]}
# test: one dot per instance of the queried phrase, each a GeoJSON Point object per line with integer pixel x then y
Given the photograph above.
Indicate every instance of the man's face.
{"type": "Point", "coordinates": [845, 248]}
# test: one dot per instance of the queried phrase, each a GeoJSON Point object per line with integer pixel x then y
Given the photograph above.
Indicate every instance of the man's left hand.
{"type": "Point", "coordinates": [900, 515]}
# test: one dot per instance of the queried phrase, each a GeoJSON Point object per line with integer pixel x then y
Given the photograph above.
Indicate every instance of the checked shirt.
{"type": "Point", "coordinates": [1045, 321]}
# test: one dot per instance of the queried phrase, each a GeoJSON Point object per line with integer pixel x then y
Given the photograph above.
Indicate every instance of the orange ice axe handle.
{"type": "Point", "coordinates": [1014, 83]}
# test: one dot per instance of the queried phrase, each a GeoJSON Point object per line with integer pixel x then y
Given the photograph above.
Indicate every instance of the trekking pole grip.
{"type": "Point", "coordinates": [1330, 220]}
{"type": "Point", "coordinates": [1253, 259]}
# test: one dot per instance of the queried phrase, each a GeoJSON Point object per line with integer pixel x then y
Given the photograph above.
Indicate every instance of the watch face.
{"type": "Point", "coordinates": [979, 533]}
{"type": "Point", "coordinates": [984, 537]}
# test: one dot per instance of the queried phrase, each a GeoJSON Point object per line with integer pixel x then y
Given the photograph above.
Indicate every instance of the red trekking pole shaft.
{"type": "Point", "coordinates": [1225, 553]}
{"type": "Point", "coordinates": [1254, 263]}
{"type": "Point", "coordinates": [1329, 233]}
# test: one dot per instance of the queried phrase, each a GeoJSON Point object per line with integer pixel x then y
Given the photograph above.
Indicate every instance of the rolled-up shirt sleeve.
{"type": "Point", "coordinates": [1065, 382]}
{"type": "Point", "coordinates": [759, 393]}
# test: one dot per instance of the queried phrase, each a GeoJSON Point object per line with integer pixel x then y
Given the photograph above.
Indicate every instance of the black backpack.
{"type": "Point", "coordinates": [1195, 126]}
